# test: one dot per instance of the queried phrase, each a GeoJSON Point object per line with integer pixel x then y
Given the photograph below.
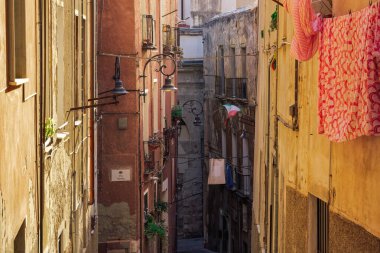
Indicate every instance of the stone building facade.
{"type": "Point", "coordinates": [313, 195]}
{"type": "Point", "coordinates": [230, 71]}
{"type": "Point", "coordinates": [137, 137]}
{"type": "Point", "coordinates": [47, 191]}
{"type": "Point", "coordinates": [18, 129]}
{"type": "Point", "coordinates": [190, 176]}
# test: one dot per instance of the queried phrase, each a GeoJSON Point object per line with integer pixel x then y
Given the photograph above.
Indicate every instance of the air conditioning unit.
{"type": "Point", "coordinates": [322, 6]}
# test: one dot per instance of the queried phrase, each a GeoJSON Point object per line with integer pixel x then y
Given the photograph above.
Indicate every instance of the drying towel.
{"type": "Point", "coordinates": [349, 85]}
{"type": "Point", "coordinates": [216, 173]}
{"type": "Point", "coordinates": [306, 28]}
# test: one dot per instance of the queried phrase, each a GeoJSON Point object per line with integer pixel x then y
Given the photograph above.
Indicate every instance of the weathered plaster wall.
{"type": "Point", "coordinates": [203, 11]}
{"type": "Point", "coordinates": [117, 148]}
{"type": "Point", "coordinates": [120, 33]}
{"type": "Point", "coordinates": [345, 175]}
{"type": "Point", "coordinates": [18, 167]}
{"type": "Point", "coordinates": [66, 165]}
{"type": "Point", "coordinates": [190, 167]}
{"type": "Point", "coordinates": [233, 32]}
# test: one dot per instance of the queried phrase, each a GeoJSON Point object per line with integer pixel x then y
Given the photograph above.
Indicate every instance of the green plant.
{"type": "Point", "coordinates": [176, 112]}
{"type": "Point", "coordinates": [274, 21]}
{"type": "Point", "coordinates": [49, 128]}
{"type": "Point", "coordinates": [161, 206]}
{"type": "Point", "coordinates": [152, 228]}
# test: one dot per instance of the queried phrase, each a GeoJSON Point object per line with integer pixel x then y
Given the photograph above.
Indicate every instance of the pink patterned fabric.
{"type": "Point", "coordinates": [349, 84]}
{"type": "Point", "coordinates": [306, 28]}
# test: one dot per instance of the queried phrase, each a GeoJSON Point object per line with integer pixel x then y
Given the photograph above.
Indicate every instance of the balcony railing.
{"type": "Point", "coordinates": [236, 88]}
{"type": "Point", "coordinates": [231, 87]}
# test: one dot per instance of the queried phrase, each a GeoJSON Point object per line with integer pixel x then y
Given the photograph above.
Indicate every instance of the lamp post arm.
{"type": "Point", "coordinates": [159, 58]}
{"type": "Point", "coordinates": [193, 108]}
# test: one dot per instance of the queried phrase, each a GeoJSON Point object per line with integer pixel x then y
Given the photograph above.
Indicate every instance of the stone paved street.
{"type": "Point", "coordinates": [192, 246]}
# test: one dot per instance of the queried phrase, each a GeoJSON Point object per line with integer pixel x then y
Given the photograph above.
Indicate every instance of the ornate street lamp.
{"type": "Point", "coordinates": [117, 91]}
{"type": "Point", "coordinates": [196, 108]}
{"type": "Point", "coordinates": [159, 59]}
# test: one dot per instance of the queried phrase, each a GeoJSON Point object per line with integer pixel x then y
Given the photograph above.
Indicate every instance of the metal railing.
{"type": "Point", "coordinates": [231, 87]}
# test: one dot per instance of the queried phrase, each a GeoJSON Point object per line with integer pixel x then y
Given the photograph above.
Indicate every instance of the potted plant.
{"type": "Point", "coordinates": [161, 206]}
{"type": "Point", "coordinates": [154, 142]}
{"type": "Point", "coordinates": [176, 112]}
{"type": "Point", "coordinates": [153, 228]}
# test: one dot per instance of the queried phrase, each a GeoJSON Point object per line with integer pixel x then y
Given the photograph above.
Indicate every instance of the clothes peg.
{"type": "Point", "coordinates": [350, 12]}
{"type": "Point", "coordinates": [370, 3]}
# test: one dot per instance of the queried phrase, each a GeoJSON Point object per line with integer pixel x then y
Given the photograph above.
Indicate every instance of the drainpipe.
{"type": "Point", "coordinates": [266, 185]}
{"type": "Point", "coordinates": [41, 130]}
{"type": "Point", "coordinates": [140, 177]}
{"type": "Point", "coordinates": [91, 200]}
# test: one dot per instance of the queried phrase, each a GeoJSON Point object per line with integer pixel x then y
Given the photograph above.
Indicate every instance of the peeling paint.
{"type": "Point", "coordinates": [116, 222]}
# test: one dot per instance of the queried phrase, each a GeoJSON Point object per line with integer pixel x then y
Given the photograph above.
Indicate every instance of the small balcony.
{"type": "Point", "coordinates": [236, 87]}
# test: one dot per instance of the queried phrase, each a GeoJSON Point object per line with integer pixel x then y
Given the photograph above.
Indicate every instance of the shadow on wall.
{"type": "Point", "coordinates": [115, 222]}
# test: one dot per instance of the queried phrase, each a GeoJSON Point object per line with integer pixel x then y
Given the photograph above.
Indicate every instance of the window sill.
{"type": "Point", "coordinates": [18, 81]}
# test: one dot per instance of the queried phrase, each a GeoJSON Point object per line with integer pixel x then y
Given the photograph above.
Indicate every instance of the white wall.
{"type": "Point", "coordinates": [228, 5]}
{"type": "Point", "coordinates": [192, 46]}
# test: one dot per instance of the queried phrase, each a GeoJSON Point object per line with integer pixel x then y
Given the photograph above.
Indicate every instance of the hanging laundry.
{"type": "Point", "coordinates": [229, 176]}
{"type": "Point", "coordinates": [306, 28]}
{"type": "Point", "coordinates": [349, 84]}
{"type": "Point", "coordinates": [216, 173]}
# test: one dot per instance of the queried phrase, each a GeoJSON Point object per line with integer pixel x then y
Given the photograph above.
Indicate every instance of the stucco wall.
{"type": "Point", "coordinates": [190, 162]}
{"type": "Point", "coordinates": [234, 32]}
{"type": "Point", "coordinates": [345, 175]}
{"type": "Point", "coordinates": [18, 147]}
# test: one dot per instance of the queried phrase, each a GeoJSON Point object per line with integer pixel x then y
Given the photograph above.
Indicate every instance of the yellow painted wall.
{"type": "Point", "coordinates": [18, 147]}
{"type": "Point", "coordinates": [345, 175]}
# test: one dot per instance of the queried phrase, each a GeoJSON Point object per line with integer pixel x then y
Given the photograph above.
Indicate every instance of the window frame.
{"type": "Point", "coordinates": [16, 54]}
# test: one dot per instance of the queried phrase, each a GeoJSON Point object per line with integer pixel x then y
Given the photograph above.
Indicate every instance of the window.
{"type": "Point", "coordinates": [322, 226]}
{"type": "Point", "coordinates": [83, 58]}
{"type": "Point", "coordinates": [155, 192]}
{"type": "Point", "coordinates": [233, 62]}
{"type": "Point", "coordinates": [224, 144]}
{"type": "Point", "coordinates": [243, 57]}
{"type": "Point", "coordinates": [16, 42]}
{"type": "Point", "coordinates": [219, 89]}
{"type": "Point", "coordinates": [19, 242]}
{"type": "Point", "coordinates": [146, 202]}
{"type": "Point", "coordinates": [234, 158]}
{"type": "Point", "coordinates": [60, 33]}
{"type": "Point", "coordinates": [318, 228]}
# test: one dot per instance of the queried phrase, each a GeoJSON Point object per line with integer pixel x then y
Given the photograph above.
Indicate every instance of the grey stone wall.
{"type": "Point", "coordinates": [236, 33]}
{"type": "Point", "coordinates": [190, 167]}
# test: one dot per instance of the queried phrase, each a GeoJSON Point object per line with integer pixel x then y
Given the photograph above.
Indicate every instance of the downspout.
{"type": "Point", "coordinates": [91, 200]}
{"type": "Point", "coordinates": [275, 158]}
{"type": "Point", "coordinates": [140, 178]}
{"type": "Point", "coordinates": [267, 161]}
{"type": "Point", "coordinates": [42, 131]}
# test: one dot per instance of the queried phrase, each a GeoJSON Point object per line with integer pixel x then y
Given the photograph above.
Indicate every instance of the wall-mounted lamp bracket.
{"type": "Point", "coordinates": [159, 59]}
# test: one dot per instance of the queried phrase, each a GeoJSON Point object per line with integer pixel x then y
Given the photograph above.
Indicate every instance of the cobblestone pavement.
{"type": "Point", "coordinates": [192, 246]}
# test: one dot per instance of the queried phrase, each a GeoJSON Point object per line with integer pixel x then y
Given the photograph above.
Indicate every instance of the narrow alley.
{"type": "Point", "coordinates": [189, 126]}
